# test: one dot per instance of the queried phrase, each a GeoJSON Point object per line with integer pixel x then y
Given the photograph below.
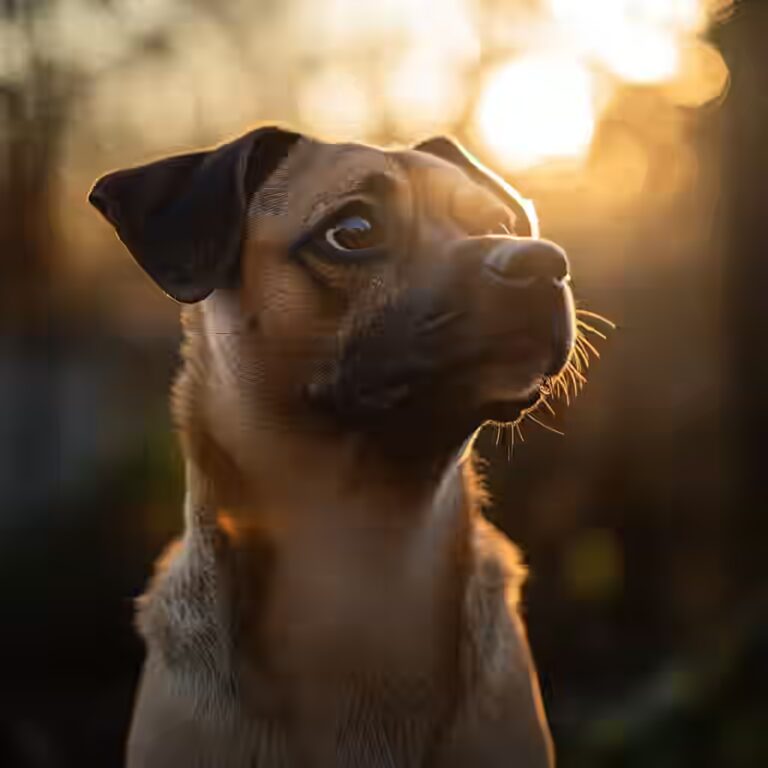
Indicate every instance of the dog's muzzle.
{"type": "Point", "coordinates": [483, 320]}
{"type": "Point", "coordinates": [535, 276]}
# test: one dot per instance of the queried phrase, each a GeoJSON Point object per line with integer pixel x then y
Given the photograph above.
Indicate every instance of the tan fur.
{"type": "Point", "coordinates": [317, 611]}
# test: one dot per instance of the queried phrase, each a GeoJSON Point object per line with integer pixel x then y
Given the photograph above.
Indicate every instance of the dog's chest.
{"type": "Point", "coordinates": [340, 642]}
{"type": "Point", "coordinates": [362, 598]}
{"type": "Point", "coordinates": [364, 694]}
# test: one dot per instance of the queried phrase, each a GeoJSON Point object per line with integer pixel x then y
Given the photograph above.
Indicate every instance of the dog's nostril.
{"type": "Point", "coordinates": [523, 261]}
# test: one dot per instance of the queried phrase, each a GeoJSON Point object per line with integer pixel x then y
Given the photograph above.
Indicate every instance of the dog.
{"type": "Point", "coordinates": [352, 316]}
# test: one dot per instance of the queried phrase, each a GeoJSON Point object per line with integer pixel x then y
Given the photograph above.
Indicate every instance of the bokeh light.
{"type": "Point", "coordinates": [537, 108]}
{"type": "Point", "coordinates": [635, 40]}
{"type": "Point", "coordinates": [423, 93]}
{"type": "Point", "coordinates": [530, 82]}
{"type": "Point", "coordinates": [703, 76]}
{"type": "Point", "coordinates": [336, 104]}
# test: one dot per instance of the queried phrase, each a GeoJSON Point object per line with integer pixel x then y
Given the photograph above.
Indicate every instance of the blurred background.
{"type": "Point", "coordinates": [639, 127]}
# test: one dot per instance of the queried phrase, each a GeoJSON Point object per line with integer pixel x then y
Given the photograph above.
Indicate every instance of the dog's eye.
{"type": "Point", "coordinates": [355, 232]}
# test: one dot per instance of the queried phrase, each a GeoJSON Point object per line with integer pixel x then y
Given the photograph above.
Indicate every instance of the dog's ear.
{"type": "Point", "coordinates": [183, 217]}
{"type": "Point", "coordinates": [527, 223]}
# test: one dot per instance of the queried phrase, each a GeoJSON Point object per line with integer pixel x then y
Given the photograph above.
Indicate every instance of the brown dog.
{"type": "Point", "coordinates": [337, 598]}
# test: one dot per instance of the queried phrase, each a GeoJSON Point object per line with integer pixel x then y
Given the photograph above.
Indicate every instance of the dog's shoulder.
{"type": "Point", "coordinates": [500, 711]}
{"type": "Point", "coordinates": [183, 619]}
{"type": "Point", "coordinates": [492, 633]}
{"type": "Point", "coordinates": [176, 608]}
{"type": "Point", "coordinates": [495, 646]}
{"type": "Point", "coordinates": [498, 567]}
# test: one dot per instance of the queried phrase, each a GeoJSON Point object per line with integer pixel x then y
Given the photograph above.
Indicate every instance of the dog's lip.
{"type": "Point", "coordinates": [510, 409]}
{"type": "Point", "coordinates": [410, 385]}
{"type": "Point", "coordinates": [549, 332]}
{"type": "Point", "coordinates": [550, 342]}
{"type": "Point", "coordinates": [563, 332]}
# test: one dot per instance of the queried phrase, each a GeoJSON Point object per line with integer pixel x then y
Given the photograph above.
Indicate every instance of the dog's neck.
{"type": "Point", "coordinates": [282, 479]}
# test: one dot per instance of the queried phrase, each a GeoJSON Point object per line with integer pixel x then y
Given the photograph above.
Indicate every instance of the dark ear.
{"type": "Point", "coordinates": [527, 224]}
{"type": "Point", "coordinates": [183, 217]}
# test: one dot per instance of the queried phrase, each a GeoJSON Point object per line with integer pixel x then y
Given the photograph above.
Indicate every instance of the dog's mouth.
{"type": "Point", "coordinates": [449, 365]}
{"type": "Point", "coordinates": [532, 354]}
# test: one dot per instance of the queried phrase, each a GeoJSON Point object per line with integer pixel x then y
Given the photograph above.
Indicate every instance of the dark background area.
{"type": "Point", "coordinates": [644, 526]}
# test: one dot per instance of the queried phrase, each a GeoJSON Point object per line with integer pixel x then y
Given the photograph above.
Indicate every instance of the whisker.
{"type": "Point", "coordinates": [580, 376]}
{"type": "Point", "coordinates": [589, 328]}
{"type": "Point", "coordinates": [547, 405]}
{"type": "Point", "coordinates": [570, 371]}
{"type": "Point", "coordinates": [572, 378]}
{"type": "Point", "coordinates": [546, 426]}
{"type": "Point", "coordinates": [583, 349]}
{"type": "Point", "coordinates": [590, 346]}
{"type": "Point", "coordinates": [581, 355]}
{"type": "Point", "coordinates": [597, 316]}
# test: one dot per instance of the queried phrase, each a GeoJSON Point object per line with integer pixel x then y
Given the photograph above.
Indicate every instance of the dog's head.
{"type": "Point", "coordinates": [401, 294]}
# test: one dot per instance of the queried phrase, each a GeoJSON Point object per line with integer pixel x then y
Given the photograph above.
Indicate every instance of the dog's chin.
{"type": "Point", "coordinates": [509, 407]}
{"type": "Point", "coordinates": [421, 420]}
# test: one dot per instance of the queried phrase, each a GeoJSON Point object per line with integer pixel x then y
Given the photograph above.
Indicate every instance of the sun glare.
{"type": "Point", "coordinates": [635, 40]}
{"type": "Point", "coordinates": [537, 108]}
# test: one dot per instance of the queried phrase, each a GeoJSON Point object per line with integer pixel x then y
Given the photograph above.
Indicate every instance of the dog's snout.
{"type": "Point", "coordinates": [525, 261]}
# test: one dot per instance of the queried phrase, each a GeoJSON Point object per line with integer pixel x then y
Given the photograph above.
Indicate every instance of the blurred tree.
{"type": "Point", "coordinates": [50, 51]}
{"type": "Point", "coordinates": [745, 211]}
{"type": "Point", "coordinates": [32, 111]}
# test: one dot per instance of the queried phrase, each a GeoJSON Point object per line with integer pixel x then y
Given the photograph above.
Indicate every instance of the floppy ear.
{"type": "Point", "coordinates": [183, 217]}
{"type": "Point", "coordinates": [527, 223]}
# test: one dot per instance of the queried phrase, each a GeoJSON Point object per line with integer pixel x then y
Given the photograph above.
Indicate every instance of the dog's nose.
{"type": "Point", "coordinates": [523, 261]}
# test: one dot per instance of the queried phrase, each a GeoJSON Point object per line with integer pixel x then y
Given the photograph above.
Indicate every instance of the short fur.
{"type": "Point", "coordinates": [327, 605]}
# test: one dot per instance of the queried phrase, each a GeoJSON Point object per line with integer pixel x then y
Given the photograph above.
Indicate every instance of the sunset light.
{"type": "Point", "coordinates": [543, 107]}
{"type": "Point", "coordinates": [535, 109]}
{"type": "Point", "coordinates": [529, 82]}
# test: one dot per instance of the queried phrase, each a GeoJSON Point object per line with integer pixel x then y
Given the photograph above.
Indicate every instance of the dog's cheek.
{"type": "Point", "coordinates": [293, 326]}
{"type": "Point", "coordinates": [281, 301]}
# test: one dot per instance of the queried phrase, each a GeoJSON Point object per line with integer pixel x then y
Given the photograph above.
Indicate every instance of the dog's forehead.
{"type": "Point", "coordinates": [312, 176]}
{"type": "Point", "coordinates": [317, 174]}
{"type": "Point", "coordinates": [319, 163]}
